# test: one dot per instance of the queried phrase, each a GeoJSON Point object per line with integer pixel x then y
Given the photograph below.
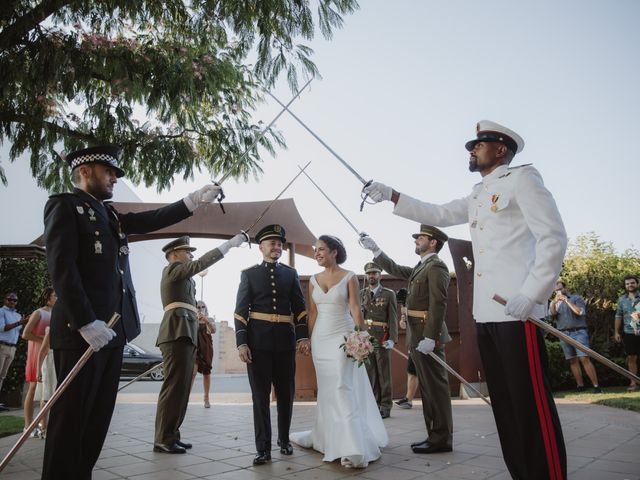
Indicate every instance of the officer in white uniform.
{"type": "Point", "coordinates": [519, 243]}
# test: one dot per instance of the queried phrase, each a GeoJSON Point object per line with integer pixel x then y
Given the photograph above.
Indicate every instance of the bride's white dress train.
{"type": "Point", "coordinates": [348, 423]}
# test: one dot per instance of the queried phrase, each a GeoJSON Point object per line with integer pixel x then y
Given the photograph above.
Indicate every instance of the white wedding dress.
{"type": "Point", "coordinates": [348, 424]}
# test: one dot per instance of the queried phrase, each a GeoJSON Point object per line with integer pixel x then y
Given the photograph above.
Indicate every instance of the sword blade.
{"type": "Point", "coordinates": [340, 159]}
{"type": "Point", "coordinates": [451, 371]}
{"type": "Point", "coordinates": [62, 386]}
{"type": "Point", "coordinates": [330, 201]}
{"type": "Point", "coordinates": [155, 367]}
{"type": "Point", "coordinates": [574, 343]}
{"type": "Point", "coordinates": [264, 212]}
{"type": "Point", "coordinates": [262, 133]}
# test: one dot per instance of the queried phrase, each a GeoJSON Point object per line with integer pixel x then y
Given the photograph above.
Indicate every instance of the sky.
{"type": "Point", "coordinates": [403, 85]}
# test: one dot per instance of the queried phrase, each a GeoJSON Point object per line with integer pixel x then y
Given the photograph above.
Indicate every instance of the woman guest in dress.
{"type": "Point", "coordinates": [47, 380]}
{"type": "Point", "coordinates": [34, 332]}
{"type": "Point", "coordinates": [348, 425]}
{"type": "Point", "coordinates": [204, 353]}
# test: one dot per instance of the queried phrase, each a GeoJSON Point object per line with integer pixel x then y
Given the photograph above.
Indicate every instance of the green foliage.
{"type": "Point", "coordinates": [27, 278]}
{"type": "Point", "coordinates": [10, 425]}
{"type": "Point", "coordinates": [594, 270]}
{"type": "Point", "coordinates": [617, 397]}
{"type": "Point", "coordinates": [168, 80]}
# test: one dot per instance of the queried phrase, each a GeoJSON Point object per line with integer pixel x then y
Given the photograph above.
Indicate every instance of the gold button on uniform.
{"type": "Point", "coordinates": [273, 291]}
{"type": "Point", "coordinates": [479, 274]}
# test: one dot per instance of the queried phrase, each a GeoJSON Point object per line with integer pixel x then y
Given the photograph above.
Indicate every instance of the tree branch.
{"type": "Point", "coordinates": [10, 117]}
{"type": "Point", "coordinates": [19, 29]}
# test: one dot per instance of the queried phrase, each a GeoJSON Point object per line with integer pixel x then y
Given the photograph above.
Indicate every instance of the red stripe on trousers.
{"type": "Point", "coordinates": [545, 404]}
{"type": "Point", "coordinates": [548, 436]}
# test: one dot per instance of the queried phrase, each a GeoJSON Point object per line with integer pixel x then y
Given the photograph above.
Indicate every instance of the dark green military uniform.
{"type": "Point", "coordinates": [426, 313]}
{"type": "Point", "coordinates": [178, 338]}
{"type": "Point", "coordinates": [380, 312]}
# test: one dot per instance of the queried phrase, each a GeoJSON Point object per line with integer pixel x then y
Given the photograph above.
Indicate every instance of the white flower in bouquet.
{"type": "Point", "coordinates": [635, 321]}
{"type": "Point", "coordinates": [358, 345]}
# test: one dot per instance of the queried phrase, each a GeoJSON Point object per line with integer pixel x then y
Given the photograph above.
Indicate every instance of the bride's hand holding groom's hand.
{"type": "Point", "coordinates": [304, 347]}
{"type": "Point", "coordinates": [244, 353]}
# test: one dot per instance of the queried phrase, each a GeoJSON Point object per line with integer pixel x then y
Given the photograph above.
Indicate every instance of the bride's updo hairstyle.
{"type": "Point", "coordinates": [334, 243]}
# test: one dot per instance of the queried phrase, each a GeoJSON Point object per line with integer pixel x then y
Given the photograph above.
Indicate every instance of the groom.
{"type": "Point", "coordinates": [426, 331]}
{"type": "Point", "coordinates": [271, 325]}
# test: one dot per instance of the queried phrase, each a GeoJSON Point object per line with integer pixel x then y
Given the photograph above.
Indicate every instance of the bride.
{"type": "Point", "coordinates": [348, 423]}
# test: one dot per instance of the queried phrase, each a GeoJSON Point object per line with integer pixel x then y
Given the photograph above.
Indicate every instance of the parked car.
{"type": "Point", "coordinates": [136, 360]}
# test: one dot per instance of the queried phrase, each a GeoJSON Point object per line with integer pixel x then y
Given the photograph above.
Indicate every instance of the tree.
{"type": "Point", "coordinates": [593, 269]}
{"type": "Point", "coordinates": [169, 80]}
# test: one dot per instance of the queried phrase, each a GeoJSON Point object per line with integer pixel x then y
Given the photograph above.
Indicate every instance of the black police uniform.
{"type": "Point", "coordinates": [272, 292]}
{"type": "Point", "coordinates": [88, 261]}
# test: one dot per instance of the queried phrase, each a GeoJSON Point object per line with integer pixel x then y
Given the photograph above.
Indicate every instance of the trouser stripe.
{"type": "Point", "coordinates": [546, 426]}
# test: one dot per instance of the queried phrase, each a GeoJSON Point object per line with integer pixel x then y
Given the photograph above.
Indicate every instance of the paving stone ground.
{"type": "Point", "coordinates": [602, 444]}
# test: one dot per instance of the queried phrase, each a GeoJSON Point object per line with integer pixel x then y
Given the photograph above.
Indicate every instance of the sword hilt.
{"type": "Point", "coordinates": [363, 195]}
{"type": "Point", "coordinates": [221, 196]}
{"type": "Point", "coordinates": [246, 237]}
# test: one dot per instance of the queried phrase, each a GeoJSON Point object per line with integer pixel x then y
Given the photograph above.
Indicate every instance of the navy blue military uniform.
{"type": "Point", "coordinates": [88, 260]}
{"type": "Point", "coordinates": [270, 317]}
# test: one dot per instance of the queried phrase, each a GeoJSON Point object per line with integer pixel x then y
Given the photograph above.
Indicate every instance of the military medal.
{"type": "Point", "coordinates": [494, 200]}
{"type": "Point", "coordinates": [92, 214]}
{"type": "Point", "coordinates": [98, 247]}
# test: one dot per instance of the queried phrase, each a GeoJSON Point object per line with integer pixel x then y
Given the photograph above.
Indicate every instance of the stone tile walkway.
{"type": "Point", "coordinates": [602, 443]}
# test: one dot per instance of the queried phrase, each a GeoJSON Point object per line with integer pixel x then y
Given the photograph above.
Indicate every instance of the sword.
{"type": "Point", "coordinates": [155, 367]}
{"type": "Point", "coordinates": [574, 343]}
{"type": "Point", "coordinates": [451, 371]}
{"type": "Point", "coordinates": [56, 395]}
{"type": "Point", "coordinates": [264, 212]}
{"type": "Point", "coordinates": [221, 195]}
{"type": "Point", "coordinates": [358, 232]}
{"type": "Point", "coordinates": [365, 183]}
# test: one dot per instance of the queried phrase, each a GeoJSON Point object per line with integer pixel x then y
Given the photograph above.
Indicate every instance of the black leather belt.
{"type": "Point", "coordinates": [7, 344]}
{"type": "Point", "coordinates": [573, 329]}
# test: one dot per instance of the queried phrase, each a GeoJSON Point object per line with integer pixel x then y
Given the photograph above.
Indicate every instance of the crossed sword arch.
{"type": "Point", "coordinates": [285, 108]}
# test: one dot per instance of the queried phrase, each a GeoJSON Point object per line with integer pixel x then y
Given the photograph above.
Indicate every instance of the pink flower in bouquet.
{"type": "Point", "coordinates": [358, 345]}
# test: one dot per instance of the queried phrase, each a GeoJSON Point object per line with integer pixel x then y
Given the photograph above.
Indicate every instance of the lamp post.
{"type": "Point", "coordinates": [202, 274]}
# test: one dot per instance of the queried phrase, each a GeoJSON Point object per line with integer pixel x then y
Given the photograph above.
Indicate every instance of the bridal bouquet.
{"type": "Point", "coordinates": [635, 322]}
{"type": "Point", "coordinates": [358, 345]}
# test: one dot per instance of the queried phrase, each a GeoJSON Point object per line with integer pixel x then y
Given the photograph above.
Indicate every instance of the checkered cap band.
{"type": "Point", "coordinates": [94, 157]}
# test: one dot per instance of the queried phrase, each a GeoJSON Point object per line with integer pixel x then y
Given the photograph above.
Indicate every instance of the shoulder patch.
{"type": "Point", "coordinates": [520, 166]}
{"type": "Point", "coordinates": [62, 195]}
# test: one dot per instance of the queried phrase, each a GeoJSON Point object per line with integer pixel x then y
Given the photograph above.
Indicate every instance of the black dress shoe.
{"type": "Point", "coordinates": [385, 413]}
{"type": "Point", "coordinates": [184, 445]}
{"type": "Point", "coordinates": [429, 448]}
{"type": "Point", "coordinates": [420, 444]}
{"type": "Point", "coordinates": [173, 448]}
{"type": "Point", "coordinates": [261, 458]}
{"type": "Point", "coordinates": [285, 448]}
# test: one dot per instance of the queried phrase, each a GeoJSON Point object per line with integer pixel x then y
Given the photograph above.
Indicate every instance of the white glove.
{"type": "Point", "coordinates": [378, 192]}
{"type": "Point", "coordinates": [234, 242]}
{"type": "Point", "coordinates": [96, 334]}
{"type": "Point", "coordinates": [426, 345]}
{"type": "Point", "coordinates": [388, 344]}
{"type": "Point", "coordinates": [519, 306]}
{"type": "Point", "coordinates": [369, 243]}
{"type": "Point", "coordinates": [206, 194]}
